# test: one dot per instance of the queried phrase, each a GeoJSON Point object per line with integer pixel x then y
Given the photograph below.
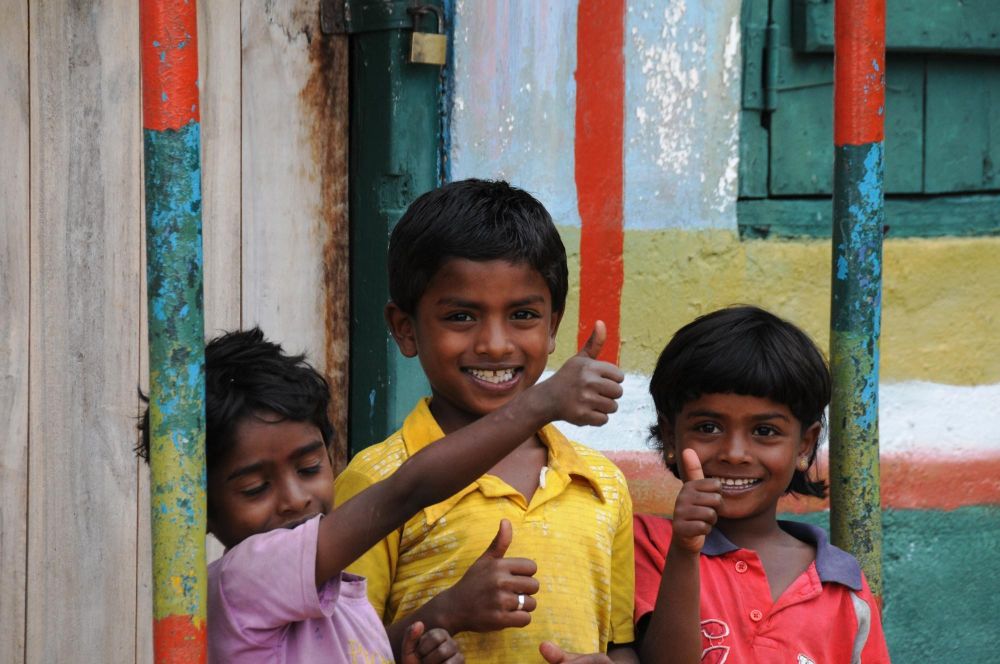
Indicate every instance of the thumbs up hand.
{"type": "Point", "coordinates": [696, 509]}
{"type": "Point", "coordinates": [495, 592]}
{"type": "Point", "coordinates": [584, 390]}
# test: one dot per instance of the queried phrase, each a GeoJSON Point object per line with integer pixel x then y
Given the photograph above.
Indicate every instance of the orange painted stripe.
{"type": "Point", "coordinates": [169, 36]}
{"type": "Point", "coordinates": [907, 483]}
{"type": "Point", "coordinates": [600, 130]}
{"type": "Point", "coordinates": [859, 72]}
{"type": "Point", "coordinates": [180, 640]}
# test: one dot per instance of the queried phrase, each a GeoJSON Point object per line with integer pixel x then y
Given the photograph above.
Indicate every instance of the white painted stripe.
{"type": "Point", "coordinates": [915, 418]}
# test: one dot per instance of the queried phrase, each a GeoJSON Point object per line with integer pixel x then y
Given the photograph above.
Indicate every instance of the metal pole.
{"type": "Point", "coordinates": [171, 137]}
{"type": "Point", "coordinates": [856, 306]}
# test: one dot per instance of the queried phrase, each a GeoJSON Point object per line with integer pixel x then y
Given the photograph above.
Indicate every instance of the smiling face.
{"type": "Point", "coordinates": [752, 444]}
{"type": "Point", "coordinates": [276, 475]}
{"type": "Point", "coordinates": [483, 331]}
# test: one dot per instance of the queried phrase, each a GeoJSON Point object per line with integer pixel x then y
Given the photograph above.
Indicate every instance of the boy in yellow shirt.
{"type": "Point", "coordinates": [539, 548]}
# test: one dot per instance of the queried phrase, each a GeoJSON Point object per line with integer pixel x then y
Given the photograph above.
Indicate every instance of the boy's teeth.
{"type": "Point", "coordinates": [493, 376]}
{"type": "Point", "coordinates": [736, 483]}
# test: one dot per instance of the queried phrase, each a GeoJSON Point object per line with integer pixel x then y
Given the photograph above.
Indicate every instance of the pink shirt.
{"type": "Point", "coordinates": [827, 614]}
{"type": "Point", "coordinates": [263, 606]}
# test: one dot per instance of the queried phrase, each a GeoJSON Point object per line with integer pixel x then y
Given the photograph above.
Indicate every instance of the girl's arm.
{"type": "Point", "coordinates": [673, 634]}
{"type": "Point", "coordinates": [583, 391]}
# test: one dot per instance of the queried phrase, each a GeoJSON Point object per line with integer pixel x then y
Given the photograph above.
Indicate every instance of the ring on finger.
{"type": "Point", "coordinates": [520, 601]}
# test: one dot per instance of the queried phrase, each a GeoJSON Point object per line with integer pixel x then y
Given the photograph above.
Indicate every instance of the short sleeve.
{"type": "Point", "coordinates": [622, 575]}
{"type": "Point", "coordinates": [875, 650]}
{"type": "Point", "coordinates": [652, 539]}
{"type": "Point", "coordinates": [378, 564]}
{"type": "Point", "coordinates": [269, 580]}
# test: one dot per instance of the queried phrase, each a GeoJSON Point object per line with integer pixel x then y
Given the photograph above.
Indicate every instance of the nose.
{"type": "Point", "coordinates": [735, 448]}
{"type": "Point", "coordinates": [294, 498]}
{"type": "Point", "coordinates": [492, 340]}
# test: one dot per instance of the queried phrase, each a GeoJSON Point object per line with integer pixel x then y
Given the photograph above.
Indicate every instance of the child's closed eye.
{"type": "Point", "coordinates": [255, 490]}
{"type": "Point", "coordinates": [311, 470]}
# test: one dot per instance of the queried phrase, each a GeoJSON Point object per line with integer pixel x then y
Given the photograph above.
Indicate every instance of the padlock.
{"type": "Point", "coordinates": [428, 48]}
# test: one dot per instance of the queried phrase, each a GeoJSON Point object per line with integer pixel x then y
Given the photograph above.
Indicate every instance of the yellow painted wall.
{"type": "Point", "coordinates": [941, 297]}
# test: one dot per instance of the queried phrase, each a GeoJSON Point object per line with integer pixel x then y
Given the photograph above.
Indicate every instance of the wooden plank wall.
{"type": "Point", "coordinates": [74, 533]}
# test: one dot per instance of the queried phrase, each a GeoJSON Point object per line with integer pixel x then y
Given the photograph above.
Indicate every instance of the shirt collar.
{"type": "Point", "coordinates": [832, 564]}
{"type": "Point", "coordinates": [420, 429]}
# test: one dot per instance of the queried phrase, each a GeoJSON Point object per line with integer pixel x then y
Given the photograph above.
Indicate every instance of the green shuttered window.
{"type": "Point", "coordinates": [942, 145]}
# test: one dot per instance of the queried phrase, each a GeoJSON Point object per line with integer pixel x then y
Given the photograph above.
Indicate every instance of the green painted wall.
{"type": "Point", "coordinates": [940, 573]}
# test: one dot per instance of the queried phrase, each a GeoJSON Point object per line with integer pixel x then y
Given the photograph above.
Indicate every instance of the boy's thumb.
{"type": "Point", "coordinates": [410, 641]}
{"type": "Point", "coordinates": [592, 348]}
{"type": "Point", "coordinates": [498, 547]}
{"type": "Point", "coordinates": [692, 466]}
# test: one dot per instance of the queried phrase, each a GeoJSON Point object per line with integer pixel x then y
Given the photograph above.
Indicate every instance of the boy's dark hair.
{"type": "Point", "coordinates": [248, 376]}
{"type": "Point", "coordinates": [478, 220]}
{"type": "Point", "coordinates": [743, 350]}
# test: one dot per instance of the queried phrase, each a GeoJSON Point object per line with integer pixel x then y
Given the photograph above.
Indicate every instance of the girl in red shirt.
{"type": "Point", "coordinates": [740, 396]}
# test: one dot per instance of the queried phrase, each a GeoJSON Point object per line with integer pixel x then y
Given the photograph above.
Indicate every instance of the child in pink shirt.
{"type": "Point", "coordinates": [279, 593]}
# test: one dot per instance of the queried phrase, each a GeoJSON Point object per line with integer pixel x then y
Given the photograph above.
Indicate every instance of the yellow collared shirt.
{"type": "Point", "coordinates": [577, 528]}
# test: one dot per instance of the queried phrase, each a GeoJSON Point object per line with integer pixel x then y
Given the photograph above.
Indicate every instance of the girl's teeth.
{"type": "Point", "coordinates": [493, 376]}
{"type": "Point", "coordinates": [736, 483]}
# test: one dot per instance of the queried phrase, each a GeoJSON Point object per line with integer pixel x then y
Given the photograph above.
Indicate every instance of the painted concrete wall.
{"type": "Point", "coordinates": [517, 78]}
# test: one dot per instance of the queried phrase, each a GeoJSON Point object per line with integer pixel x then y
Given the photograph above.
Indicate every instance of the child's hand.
{"type": "Point", "coordinates": [488, 595]}
{"type": "Point", "coordinates": [584, 389]}
{"type": "Point", "coordinates": [434, 647]}
{"type": "Point", "coordinates": [553, 654]}
{"type": "Point", "coordinates": [696, 509]}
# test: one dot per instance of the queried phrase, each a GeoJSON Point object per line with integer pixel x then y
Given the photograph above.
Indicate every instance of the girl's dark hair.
{"type": "Point", "coordinates": [478, 220]}
{"type": "Point", "coordinates": [743, 350]}
{"type": "Point", "coordinates": [248, 376]}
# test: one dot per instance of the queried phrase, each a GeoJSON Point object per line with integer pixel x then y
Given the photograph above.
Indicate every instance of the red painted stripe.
{"type": "Point", "coordinates": [169, 37]}
{"type": "Point", "coordinates": [859, 72]}
{"type": "Point", "coordinates": [180, 640]}
{"type": "Point", "coordinates": [907, 483]}
{"type": "Point", "coordinates": [600, 129]}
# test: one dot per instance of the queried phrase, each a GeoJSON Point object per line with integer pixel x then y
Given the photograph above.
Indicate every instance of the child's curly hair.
{"type": "Point", "coordinates": [248, 376]}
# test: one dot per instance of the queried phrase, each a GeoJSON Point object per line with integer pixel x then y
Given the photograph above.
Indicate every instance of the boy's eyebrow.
{"type": "Point", "coordinates": [252, 468]}
{"type": "Point", "coordinates": [469, 304]}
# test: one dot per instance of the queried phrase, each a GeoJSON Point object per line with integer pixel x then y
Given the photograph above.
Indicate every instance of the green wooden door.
{"type": "Point", "coordinates": [942, 117]}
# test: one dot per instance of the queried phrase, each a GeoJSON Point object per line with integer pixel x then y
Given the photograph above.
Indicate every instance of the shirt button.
{"type": "Point", "coordinates": [756, 615]}
{"type": "Point", "coordinates": [741, 566]}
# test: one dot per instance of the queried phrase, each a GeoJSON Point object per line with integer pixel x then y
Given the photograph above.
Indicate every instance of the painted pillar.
{"type": "Point", "coordinates": [395, 138]}
{"type": "Point", "coordinates": [600, 180]}
{"type": "Point", "coordinates": [172, 140]}
{"type": "Point", "coordinates": [856, 307]}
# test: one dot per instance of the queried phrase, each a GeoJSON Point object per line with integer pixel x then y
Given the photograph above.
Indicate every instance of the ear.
{"type": "Point", "coordinates": [401, 327]}
{"type": "Point", "coordinates": [667, 437]}
{"type": "Point", "coordinates": [809, 439]}
{"type": "Point", "coordinates": [553, 329]}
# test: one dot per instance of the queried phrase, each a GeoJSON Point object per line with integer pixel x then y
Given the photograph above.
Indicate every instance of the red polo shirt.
{"type": "Point", "coordinates": [826, 616]}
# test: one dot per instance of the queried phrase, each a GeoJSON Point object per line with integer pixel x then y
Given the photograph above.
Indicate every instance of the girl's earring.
{"type": "Point", "coordinates": [803, 464]}
{"type": "Point", "coordinates": [670, 456]}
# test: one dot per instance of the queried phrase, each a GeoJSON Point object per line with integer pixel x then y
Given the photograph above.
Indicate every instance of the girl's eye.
{"type": "Point", "coordinates": [255, 490]}
{"type": "Point", "coordinates": [707, 427]}
{"type": "Point", "coordinates": [765, 430]}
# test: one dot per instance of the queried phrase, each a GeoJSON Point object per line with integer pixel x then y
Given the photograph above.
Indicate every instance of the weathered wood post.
{"type": "Point", "coordinates": [171, 136]}
{"type": "Point", "coordinates": [856, 307]}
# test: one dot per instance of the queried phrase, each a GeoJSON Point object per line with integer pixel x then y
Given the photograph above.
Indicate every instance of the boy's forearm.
{"type": "Point", "coordinates": [674, 632]}
{"type": "Point", "coordinates": [449, 465]}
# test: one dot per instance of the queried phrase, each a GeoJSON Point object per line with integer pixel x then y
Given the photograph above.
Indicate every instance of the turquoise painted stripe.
{"type": "Point", "coordinates": [855, 320]}
{"type": "Point", "coordinates": [177, 376]}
